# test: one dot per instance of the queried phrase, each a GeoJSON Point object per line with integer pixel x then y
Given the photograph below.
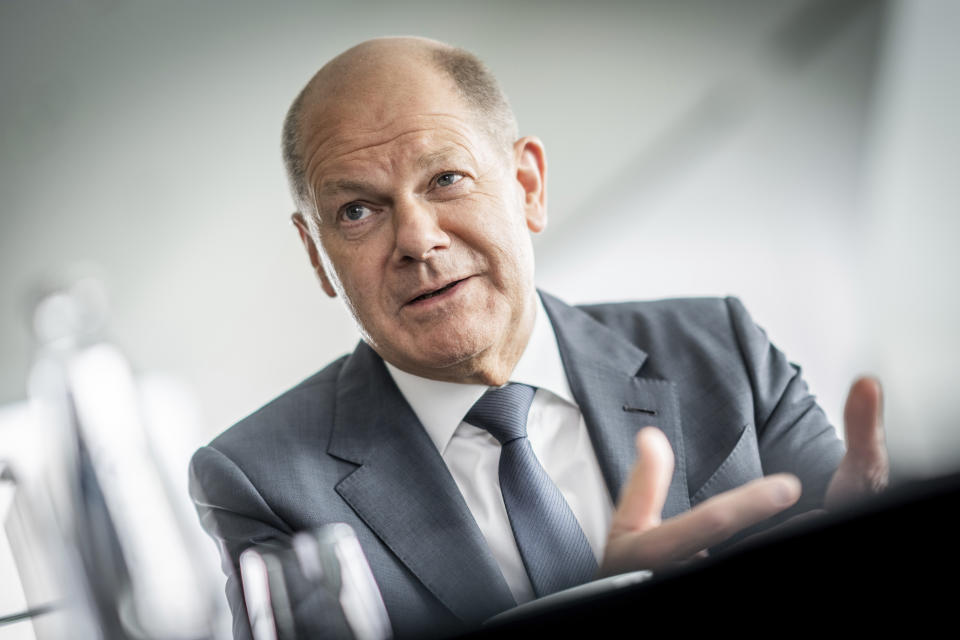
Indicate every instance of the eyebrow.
{"type": "Point", "coordinates": [332, 187]}
{"type": "Point", "coordinates": [428, 160]}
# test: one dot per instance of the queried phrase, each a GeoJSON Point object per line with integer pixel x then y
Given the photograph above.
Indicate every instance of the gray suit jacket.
{"type": "Point", "coordinates": [344, 446]}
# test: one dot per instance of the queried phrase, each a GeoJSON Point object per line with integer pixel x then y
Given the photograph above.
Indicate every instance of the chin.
{"type": "Point", "coordinates": [459, 355]}
{"type": "Point", "coordinates": [444, 355]}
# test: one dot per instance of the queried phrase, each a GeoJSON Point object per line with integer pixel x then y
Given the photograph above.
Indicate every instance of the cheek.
{"type": "Point", "coordinates": [349, 273]}
{"type": "Point", "coordinates": [353, 262]}
{"type": "Point", "coordinates": [496, 218]}
{"type": "Point", "coordinates": [511, 262]}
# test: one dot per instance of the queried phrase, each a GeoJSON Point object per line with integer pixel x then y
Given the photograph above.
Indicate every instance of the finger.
{"type": "Point", "coordinates": [641, 503]}
{"type": "Point", "coordinates": [865, 467]}
{"type": "Point", "coordinates": [863, 423]}
{"type": "Point", "coordinates": [716, 519]}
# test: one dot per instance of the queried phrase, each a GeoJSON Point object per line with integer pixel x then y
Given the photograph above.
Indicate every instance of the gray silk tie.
{"type": "Point", "coordinates": [554, 550]}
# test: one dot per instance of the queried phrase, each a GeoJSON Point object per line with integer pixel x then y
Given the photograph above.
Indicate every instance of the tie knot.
{"type": "Point", "coordinates": [503, 411]}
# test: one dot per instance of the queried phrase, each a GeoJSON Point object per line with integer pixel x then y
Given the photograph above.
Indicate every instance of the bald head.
{"type": "Point", "coordinates": [377, 74]}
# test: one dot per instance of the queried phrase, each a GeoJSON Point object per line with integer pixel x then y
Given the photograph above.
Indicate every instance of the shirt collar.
{"type": "Point", "coordinates": [441, 406]}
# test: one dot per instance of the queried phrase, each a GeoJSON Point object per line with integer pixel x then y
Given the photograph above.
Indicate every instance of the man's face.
{"type": "Point", "coordinates": [424, 228]}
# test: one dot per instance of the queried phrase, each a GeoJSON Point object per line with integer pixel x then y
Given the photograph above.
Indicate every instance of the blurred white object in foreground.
{"type": "Point", "coordinates": [99, 532]}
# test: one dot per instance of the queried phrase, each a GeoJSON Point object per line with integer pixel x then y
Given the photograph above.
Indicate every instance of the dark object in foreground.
{"type": "Point", "coordinates": [894, 558]}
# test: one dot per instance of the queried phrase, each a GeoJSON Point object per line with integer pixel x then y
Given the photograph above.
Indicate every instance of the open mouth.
{"type": "Point", "coordinates": [438, 292]}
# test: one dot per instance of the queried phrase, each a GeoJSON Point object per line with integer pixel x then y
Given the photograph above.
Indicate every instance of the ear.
{"type": "Point", "coordinates": [307, 239]}
{"type": "Point", "coordinates": [531, 162]}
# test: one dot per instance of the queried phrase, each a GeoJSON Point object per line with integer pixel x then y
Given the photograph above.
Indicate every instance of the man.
{"type": "Point", "coordinates": [416, 199]}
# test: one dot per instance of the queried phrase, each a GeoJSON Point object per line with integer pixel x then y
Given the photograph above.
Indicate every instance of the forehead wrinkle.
{"type": "Point", "coordinates": [323, 133]}
{"type": "Point", "coordinates": [327, 187]}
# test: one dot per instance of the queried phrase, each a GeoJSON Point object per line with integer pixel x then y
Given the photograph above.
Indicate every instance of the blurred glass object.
{"type": "Point", "coordinates": [95, 527]}
{"type": "Point", "coordinates": [320, 587]}
{"type": "Point", "coordinates": [261, 585]}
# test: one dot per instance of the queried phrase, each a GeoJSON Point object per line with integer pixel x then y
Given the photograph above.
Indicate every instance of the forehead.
{"type": "Point", "coordinates": [385, 106]}
{"type": "Point", "coordinates": [342, 146]}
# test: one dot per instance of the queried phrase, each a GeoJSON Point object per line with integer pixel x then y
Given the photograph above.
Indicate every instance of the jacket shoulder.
{"type": "Point", "coordinates": [307, 405]}
{"type": "Point", "coordinates": [670, 323]}
{"type": "Point", "coordinates": [667, 308]}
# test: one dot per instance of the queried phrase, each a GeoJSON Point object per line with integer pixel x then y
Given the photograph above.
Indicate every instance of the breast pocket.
{"type": "Point", "coordinates": [739, 467]}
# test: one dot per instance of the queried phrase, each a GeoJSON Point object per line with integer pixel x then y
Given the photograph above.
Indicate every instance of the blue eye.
{"type": "Point", "coordinates": [447, 179]}
{"type": "Point", "coordinates": [354, 212]}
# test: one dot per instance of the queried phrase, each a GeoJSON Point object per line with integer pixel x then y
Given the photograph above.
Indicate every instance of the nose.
{"type": "Point", "coordinates": [418, 230]}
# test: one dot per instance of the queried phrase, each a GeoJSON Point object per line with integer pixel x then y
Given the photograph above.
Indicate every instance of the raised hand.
{"type": "Point", "coordinates": [638, 538]}
{"type": "Point", "coordinates": [865, 468]}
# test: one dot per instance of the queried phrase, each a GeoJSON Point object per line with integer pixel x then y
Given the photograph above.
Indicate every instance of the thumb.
{"type": "Point", "coordinates": [865, 467]}
{"type": "Point", "coordinates": [641, 503]}
{"type": "Point", "coordinates": [863, 423]}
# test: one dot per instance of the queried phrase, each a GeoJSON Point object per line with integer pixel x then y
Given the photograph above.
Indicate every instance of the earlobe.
{"type": "Point", "coordinates": [306, 238]}
{"type": "Point", "coordinates": [531, 162]}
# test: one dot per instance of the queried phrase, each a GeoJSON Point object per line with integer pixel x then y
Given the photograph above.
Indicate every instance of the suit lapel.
{"type": "Point", "coordinates": [404, 492]}
{"type": "Point", "coordinates": [603, 369]}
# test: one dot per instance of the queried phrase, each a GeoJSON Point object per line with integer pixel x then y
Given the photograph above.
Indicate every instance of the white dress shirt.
{"type": "Point", "coordinates": [557, 434]}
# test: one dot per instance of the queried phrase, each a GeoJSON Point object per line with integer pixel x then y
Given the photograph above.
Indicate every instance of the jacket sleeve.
{"type": "Point", "coordinates": [236, 516]}
{"type": "Point", "coordinates": [793, 432]}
